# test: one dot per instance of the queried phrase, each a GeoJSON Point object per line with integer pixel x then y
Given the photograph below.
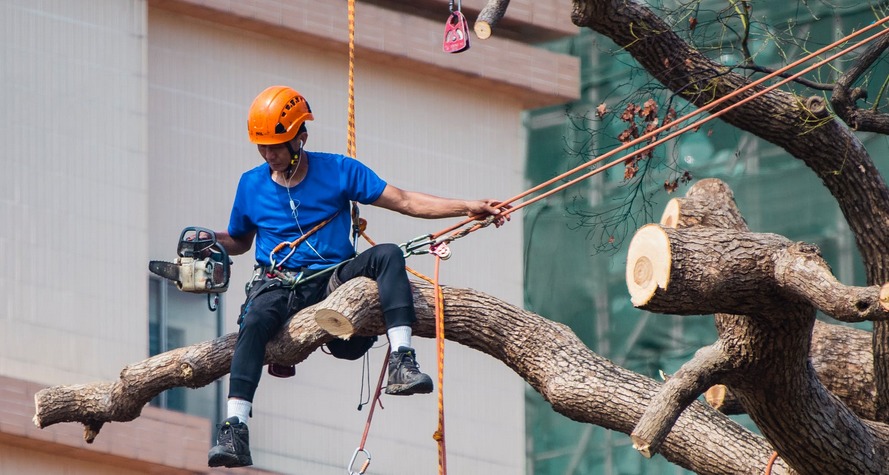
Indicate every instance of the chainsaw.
{"type": "Point", "coordinates": [203, 265]}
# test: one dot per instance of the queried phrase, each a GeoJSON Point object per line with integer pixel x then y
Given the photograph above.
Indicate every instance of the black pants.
{"type": "Point", "coordinates": [267, 312]}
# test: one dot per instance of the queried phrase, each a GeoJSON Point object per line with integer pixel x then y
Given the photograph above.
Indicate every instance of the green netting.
{"type": "Point", "coordinates": [567, 280]}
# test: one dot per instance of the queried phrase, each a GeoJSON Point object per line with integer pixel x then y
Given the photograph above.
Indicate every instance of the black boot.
{"type": "Point", "coordinates": [405, 377]}
{"type": "Point", "coordinates": [232, 447]}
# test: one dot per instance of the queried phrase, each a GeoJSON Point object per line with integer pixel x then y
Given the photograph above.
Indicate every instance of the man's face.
{"type": "Point", "coordinates": [277, 156]}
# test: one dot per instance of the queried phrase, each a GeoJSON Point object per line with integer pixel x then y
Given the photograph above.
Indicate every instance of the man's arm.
{"type": "Point", "coordinates": [421, 205]}
{"type": "Point", "coordinates": [235, 245]}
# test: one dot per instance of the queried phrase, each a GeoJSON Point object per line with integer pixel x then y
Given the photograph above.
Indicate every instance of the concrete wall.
{"type": "Point", "coordinates": [124, 122]}
{"type": "Point", "coordinates": [74, 188]}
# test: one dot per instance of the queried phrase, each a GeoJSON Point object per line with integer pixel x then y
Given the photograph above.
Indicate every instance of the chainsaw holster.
{"type": "Point", "coordinates": [351, 349]}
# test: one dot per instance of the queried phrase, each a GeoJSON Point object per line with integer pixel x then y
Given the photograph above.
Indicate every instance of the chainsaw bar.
{"type": "Point", "coordinates": [167, 270]}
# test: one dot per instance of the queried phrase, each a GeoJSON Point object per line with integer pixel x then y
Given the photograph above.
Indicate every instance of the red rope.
{"type": "Point", "coordinates": [650, 135]}
{"type": "Point", "coordinates": [770, 463]}
{"type": "Point", "coordinates": [375, 401]}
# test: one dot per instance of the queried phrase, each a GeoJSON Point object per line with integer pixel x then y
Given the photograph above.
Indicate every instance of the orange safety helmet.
{"type": "Point", "coordinates": [276, 115]}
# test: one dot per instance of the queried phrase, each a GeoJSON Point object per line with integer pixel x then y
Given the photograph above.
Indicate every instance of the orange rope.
{"type": "Point", "coordinates": [655, 132]}
{"type": "Point", "coordinates": [651, 134]}
{"type": "Point", "coordinates": [770, 463]}
{"type": "Point", "coordinates": [439, 295]}
{"type": "Point", "coordinates": [350, 141]}
{"type": "Point", "coordinates": [439, 434]}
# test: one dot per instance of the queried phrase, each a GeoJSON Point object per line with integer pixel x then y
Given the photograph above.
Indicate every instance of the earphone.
{"type": "Point", "coordinates": [294, 205]}
{"type": "Point", "coordinates": [294, 159]}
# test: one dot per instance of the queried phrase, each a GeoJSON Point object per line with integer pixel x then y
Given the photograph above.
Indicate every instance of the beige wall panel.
{"type": "Point", "coordinates": [73, 188]}
{"type": "Point", "coordinates": [418, 133]}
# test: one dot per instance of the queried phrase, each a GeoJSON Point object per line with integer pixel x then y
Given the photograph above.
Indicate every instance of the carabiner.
{"type": "Point", "coordinates": [277, 249]}
{"type": "Point", "coordinates": [364, 465]}
{"type": "Point", "coordinates": [213, 302]}
{"type": "Point", "coordinates": [411, 247]}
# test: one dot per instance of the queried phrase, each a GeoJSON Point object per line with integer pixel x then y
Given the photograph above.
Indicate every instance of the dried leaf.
{"type": "Point", "coordinates": [651, 127]}
{"type": "Point", "coordinates": [601, 110]}
{"type": "Point", "coordinates": [670, 117]}
{"type": "Point", "coordinates": [628, 113]}
{"type": "Point", "coordinates": [630, 171]}
{"type": "Point", "coordinates": [649, 110]}
{"type": "Point", "coordinates": [670, 186]}
{"type": "Point", "coordinates": [629, 134]}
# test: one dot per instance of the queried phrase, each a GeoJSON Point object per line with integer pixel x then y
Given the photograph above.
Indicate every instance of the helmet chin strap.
{"type": "Point", "coordinates": [295, 157]}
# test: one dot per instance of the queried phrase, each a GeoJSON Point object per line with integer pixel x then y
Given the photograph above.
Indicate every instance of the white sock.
{"type": "Point", "coordinates": [399, 336]}
{"type": "Point", "coordinates": [239, 408]}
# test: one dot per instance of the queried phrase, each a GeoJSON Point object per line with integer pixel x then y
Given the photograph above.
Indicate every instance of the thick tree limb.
{"type": "Point", "coordinates": [706, 272]}
{"type": "Point", "coordinates": [847, 374]}
{"type": "Point", "coordinates": [489, 16]}
{"type": "Point", "coordinates": [578, 383]}
{"type": "Point", "coordinates": [699, 269]}
{"type": "Point", "coordinates": [796, 270]}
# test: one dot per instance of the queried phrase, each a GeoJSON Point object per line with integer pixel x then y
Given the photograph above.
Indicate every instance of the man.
{"type": "Point", "coordinates": [297, 194]}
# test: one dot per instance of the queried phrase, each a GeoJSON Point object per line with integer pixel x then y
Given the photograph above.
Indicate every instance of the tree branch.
{"type": "Point", "coordinates": [803, 272]}
{"type": "Point", "coordinates": [677, 393]}
{"type": "Point", "coordinates": [578, 383]}
{"type": "Point", "coordinates": [820, 86]}
{"type": "Point", "coordinates": [490, 15]}
{"type": "Point", "coordinates": [844, 96]}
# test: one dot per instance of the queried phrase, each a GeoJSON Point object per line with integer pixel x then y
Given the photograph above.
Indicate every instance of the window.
{"type": "Point", "coordinates": [177, 319]}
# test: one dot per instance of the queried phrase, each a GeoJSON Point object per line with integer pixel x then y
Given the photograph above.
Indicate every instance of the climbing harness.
{"type": "Point", "coordinates": [456, 33]}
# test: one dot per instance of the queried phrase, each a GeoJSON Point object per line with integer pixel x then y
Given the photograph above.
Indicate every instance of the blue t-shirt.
{"type": "Point", "coordinates": [331, 183]}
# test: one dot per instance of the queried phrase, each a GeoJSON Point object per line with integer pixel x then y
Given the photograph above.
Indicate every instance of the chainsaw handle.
{"type": "Point", "coordinates": [192, 245]}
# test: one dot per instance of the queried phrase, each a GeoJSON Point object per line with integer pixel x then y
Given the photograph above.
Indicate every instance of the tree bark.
{"type": "Point", "coordinates": [578, 383]}
{"type": "Point", "coordinates": [848, 373]}
{"type": "Point", "coordinates": [764, 290]}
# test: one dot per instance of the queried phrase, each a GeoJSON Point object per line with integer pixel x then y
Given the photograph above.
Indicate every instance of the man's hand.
{"type": "Point", "coordinates": [481, 209]}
